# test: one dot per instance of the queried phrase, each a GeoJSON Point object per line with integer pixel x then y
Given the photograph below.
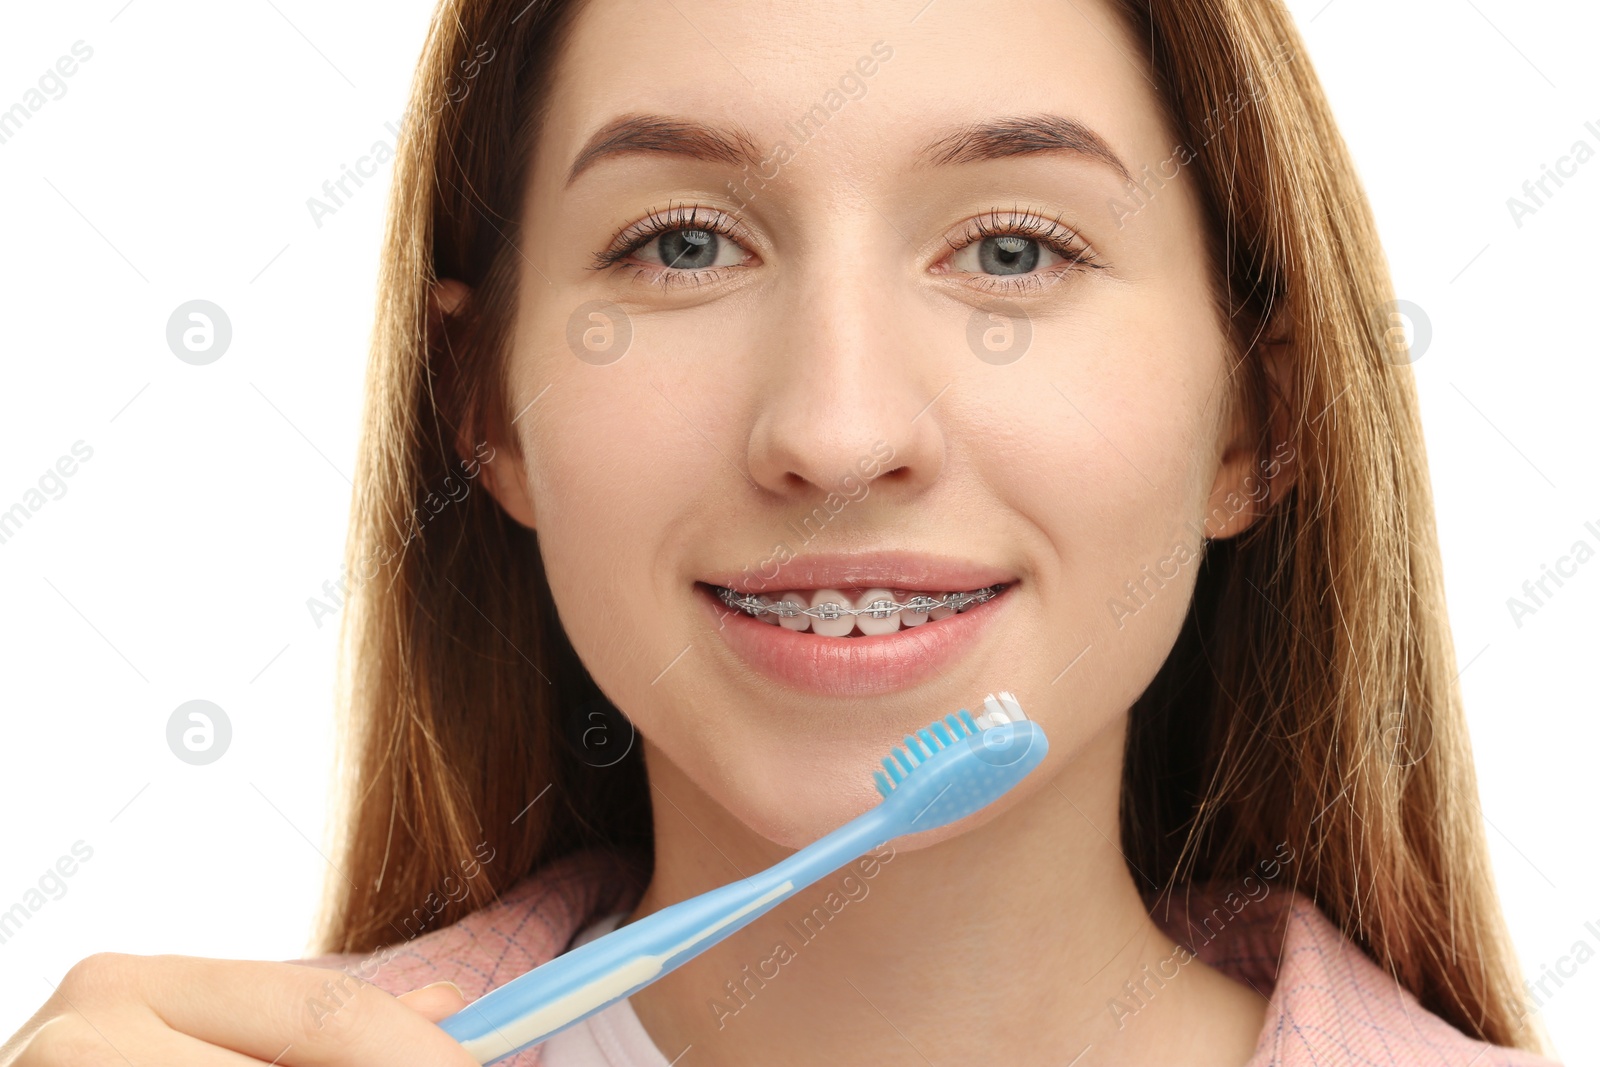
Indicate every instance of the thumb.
{"type": "Point", "coordinates": [435, 1000]}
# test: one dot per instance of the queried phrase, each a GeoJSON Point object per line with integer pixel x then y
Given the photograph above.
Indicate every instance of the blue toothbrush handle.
{"type": "Point", "coordinates": [576, 984]}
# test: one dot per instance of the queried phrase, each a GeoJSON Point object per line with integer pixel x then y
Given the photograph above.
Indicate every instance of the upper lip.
{"type": "Point", "coordinates": [916, 571]}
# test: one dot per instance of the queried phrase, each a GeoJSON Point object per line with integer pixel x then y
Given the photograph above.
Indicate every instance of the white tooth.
{"type": "Point", "coordinates": [907, 616]}
{"type": "Point", "coordinates": [796, 622]}
{"type": "Point", "coordinates": [941, 611]}
{"type": "Point", "coordinates": [839, 627]}
{"type": "Point", "coordinates": [767, 616]}
{"type": "Point", "coordinates": [866, 623]}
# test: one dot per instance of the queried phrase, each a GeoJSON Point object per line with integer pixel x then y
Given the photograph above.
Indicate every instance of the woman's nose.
{"type": "Point", "coordinates": [843, 374]}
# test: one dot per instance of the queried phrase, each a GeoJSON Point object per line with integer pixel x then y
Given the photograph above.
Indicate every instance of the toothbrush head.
{"type": "Point", "coordinates": [959, 764]}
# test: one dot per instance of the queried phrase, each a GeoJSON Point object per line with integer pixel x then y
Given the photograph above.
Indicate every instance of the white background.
{"type": "Point", "coordinates": [177, 565]}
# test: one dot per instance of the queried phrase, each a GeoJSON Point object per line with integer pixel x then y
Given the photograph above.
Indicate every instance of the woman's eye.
{"type": "Point", "coordinates": [1009, 252]}
{"type": "Point", "coordinates": [685, 249]}
{"type": "Point", "coordinates": [1002, 255]}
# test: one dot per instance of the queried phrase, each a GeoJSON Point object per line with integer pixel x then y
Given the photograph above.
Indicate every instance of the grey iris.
{"type": "Point", "coordinates": [688, 249]}
{"type": "Point", "coordinates": [1008, 255]}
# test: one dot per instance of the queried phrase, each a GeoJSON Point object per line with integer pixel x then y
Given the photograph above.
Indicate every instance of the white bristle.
{"type": "Point", "coordinates": [996, 712]}
{"type": "Point", "coordinates": [1012, 706]}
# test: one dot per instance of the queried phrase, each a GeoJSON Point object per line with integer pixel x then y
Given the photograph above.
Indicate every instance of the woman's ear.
{"type": "Point", "coordinates": [446, 296]}
{"type": "Point", "coordinates": [499, 467]}
{"type": "Point", "coordinates": [1246, 485]}
{"type": "Point", "coordinates": [503, 476]}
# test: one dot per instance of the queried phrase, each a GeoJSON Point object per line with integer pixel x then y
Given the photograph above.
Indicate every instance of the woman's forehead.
{"type": "Point", "coordinates": [886, 85]}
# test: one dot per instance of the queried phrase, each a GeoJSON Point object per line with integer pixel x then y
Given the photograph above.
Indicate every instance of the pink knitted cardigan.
{"type": "Point", "coordinates": [1328, 1002]}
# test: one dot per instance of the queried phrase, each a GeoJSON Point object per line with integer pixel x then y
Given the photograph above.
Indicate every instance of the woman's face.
{"type": "Point", "coordinates": [929, 316]}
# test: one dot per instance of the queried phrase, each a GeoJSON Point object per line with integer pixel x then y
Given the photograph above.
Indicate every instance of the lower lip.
{"type": "Point", "coordinates": [852, 666]}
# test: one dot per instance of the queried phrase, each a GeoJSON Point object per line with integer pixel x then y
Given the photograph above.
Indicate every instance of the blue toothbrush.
{"type": "Point", "coordinates": [944, 773]}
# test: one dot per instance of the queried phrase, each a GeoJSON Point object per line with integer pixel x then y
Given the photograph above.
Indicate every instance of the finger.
{"type": "Point", "coordinates": [124, 1034]}
{"type": "Point", "coordinates": [176, 1049]}
{"type": "Point", "coordinates": [435, 1001]}
{"type": "Point", "coordinates": [296, 1015]}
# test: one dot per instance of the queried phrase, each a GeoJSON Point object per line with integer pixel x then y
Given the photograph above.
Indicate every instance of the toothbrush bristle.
{"type": "Point", "coordinates": [941, 734]}
{"type": "Point", "coordinates": [1013, 708]}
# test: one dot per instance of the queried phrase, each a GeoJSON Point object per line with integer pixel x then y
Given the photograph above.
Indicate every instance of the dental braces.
{"type": "Point", "coordinates": [880, 608]}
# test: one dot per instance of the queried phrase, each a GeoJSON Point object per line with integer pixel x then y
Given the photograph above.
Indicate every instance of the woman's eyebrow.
{"type": "Point", "coordinates": [1020, 135]}
{"type": "Point", "coordinates": [964, 143]}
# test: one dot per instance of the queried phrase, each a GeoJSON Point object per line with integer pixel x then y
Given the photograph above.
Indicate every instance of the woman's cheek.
{"type": "Point", "coordinates": [1129, 475]}
{"type": "Point", "coordinates": [621, 483]}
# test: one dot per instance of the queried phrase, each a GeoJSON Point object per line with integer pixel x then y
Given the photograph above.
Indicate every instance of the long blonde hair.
{"type": "Point", "coordinates": [1310, 697]}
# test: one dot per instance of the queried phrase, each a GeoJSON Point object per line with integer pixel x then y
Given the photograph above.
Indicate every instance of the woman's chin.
{"type": "Point", "coordinates": [791, 786]}
{"type": "Point", "coordinates": [798, 814]}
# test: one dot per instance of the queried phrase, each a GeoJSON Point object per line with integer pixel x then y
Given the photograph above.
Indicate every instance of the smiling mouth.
{"type": "Point", "coordinates": [862, 612]}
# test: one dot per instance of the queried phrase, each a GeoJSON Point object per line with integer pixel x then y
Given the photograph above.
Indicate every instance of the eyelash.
{"type": "Point", "coordinates": [1051, 233]}
{"type": "Point", "coordinates": [641, 233]}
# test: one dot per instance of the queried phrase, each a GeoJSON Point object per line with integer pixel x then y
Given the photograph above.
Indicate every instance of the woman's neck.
{"type": "Point", "coordinates": [1007, 944]}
